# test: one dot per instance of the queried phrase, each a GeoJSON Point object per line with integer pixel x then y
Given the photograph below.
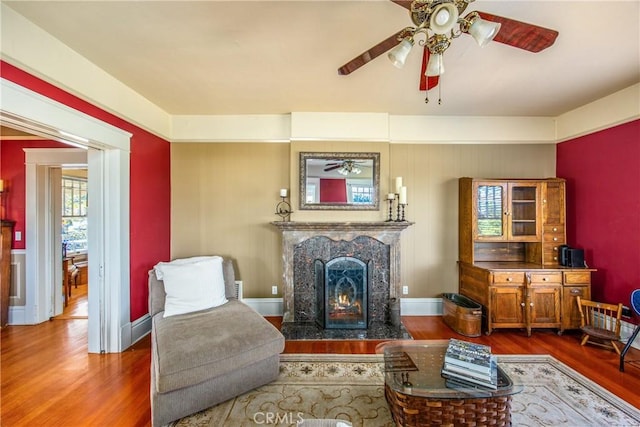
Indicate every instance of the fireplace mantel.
{"type": "Point", "coordinates": [341, 226]}
{"type": "Point", "coordinates": [294, 232]}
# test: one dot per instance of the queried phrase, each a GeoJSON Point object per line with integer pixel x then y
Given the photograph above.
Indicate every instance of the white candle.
{"type": "Point", "coordinates": [283, 192]}
{"type": "Point", "coordinates": [398, 184]}
{"type": "Point", "coordinates": [391, 196]}
{"type": "Point", "coordinates": [403, 195]}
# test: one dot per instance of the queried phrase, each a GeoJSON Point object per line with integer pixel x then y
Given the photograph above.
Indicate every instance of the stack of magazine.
{"type": "Point", "coordinates": [468, 364]}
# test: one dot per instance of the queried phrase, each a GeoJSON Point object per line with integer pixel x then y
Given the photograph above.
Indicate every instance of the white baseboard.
{"type": "Point", "coordinates": [17, 315]}
{"type": "Point", "coordinates": [265, 306]}
{"type": "Point", "coordinates": [140, 327]}
{"type": "Point", "coordinates": [421, 306]}
{"type": "Point", "coordinates": [626, 330]}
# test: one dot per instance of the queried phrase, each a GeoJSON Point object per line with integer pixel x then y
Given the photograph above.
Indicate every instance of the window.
{"type": "Point", "coordinates": [74, 214]}
{"type": "Point", "coordinates": [490, 210]}
{"type": "Point", "coordinates": [361, 193]}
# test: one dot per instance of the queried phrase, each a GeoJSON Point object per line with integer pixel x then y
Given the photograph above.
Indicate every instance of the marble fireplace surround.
{"type": "Point", "coordinates": [294, 233]}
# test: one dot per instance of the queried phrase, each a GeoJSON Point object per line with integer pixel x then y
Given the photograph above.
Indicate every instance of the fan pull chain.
{"type": "Point", "coordinates": [440, 91]}
{"type": "Point", "coordinates": [426, 97]}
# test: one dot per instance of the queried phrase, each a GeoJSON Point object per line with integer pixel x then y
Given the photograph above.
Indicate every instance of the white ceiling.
{"type": "Point", "coordinates": [275, 57]}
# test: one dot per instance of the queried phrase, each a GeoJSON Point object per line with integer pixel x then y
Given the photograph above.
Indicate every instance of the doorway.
{"type": "Point", "coordinates": [107, 157]}
{"type": "Point", "coordinates": [69, 210]}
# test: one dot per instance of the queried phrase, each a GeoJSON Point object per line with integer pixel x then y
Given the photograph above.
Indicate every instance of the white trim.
{"type": "Point", "coordinates": [471, 130]}
{"type": "Point", "coordinates": [369, 127]}
{"type": "Point", "coordinates": [109, 175]}
{"type": "Point", "coordinates": [23, 107]}
{"type": "Point", "coordinates": [242, 128]}
{"type": "Point", "coordinates": [421, 306]}
{"type": "Point", "coordinates": [626, 330]}
{"type": "Point", "coordinates": [140, 328]}
{"type": "Point", "coordinates": [265, 306]}
{"type": "Point", "coordinates": [616, 109]}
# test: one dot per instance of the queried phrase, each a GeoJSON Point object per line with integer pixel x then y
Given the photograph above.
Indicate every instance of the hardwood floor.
{"type": "Point", "coordinates": [48, 379]}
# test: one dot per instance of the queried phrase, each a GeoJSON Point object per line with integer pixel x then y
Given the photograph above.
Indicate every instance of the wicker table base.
{"type": "Point", "coordinates": [417, 411]}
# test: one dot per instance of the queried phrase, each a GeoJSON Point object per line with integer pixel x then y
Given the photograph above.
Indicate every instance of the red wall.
{"type": "Point", "coordinates": [603, 206]}
{"type": "Point", "coordinates": [333, 190]}
{"type": "Point", "coordinates": [12, 171]}
{"type": "Point", "coordinates": [150, 186]}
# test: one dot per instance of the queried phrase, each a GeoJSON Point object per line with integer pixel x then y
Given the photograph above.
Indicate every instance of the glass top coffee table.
{"type": "Point", "coordinates": [418, 395]}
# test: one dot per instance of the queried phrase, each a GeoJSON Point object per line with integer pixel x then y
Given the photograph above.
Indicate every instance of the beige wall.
{"type": "Point", "coordinates": [224, 198]}
{"type": "Point", "coordinates": [431, 172]}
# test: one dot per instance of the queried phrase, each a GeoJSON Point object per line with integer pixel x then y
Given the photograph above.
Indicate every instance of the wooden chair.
{"type": "Point", "coordinates": [600, 321]}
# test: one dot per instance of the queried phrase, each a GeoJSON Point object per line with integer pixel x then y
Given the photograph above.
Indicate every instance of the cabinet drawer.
{"type": "Point", "coordinates": [554, 229]}
{"type": "Point", "coordinates": [509, 277]}
{"type": "Point", "coordinates": [553, 238]}
{"type": "Point", "coordinates": [544, 278]}
{"type": "Point", "coordinates": [551, 252]}
{"type": "Point", "coordinates": [577, 277]}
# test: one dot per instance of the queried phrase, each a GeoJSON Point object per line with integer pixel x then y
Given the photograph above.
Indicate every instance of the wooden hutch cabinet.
{"type": "Point", "coordinates": [510, 232]}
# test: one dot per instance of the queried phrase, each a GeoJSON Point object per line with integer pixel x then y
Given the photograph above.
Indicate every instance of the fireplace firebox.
{"type": "Point", "coordinates": [342, 286]}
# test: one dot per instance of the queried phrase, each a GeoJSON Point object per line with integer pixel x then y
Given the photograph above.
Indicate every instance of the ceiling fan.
{"type": "Point", "coordinates": [440, 22]}
{"type": "Point", "coordinates": [345, 167]}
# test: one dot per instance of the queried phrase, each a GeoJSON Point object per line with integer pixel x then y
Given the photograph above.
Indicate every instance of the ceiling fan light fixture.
{"type": "Point", "coordinates": [443, 18]}
{"type": "Point", "coordinates": [483, 31]}
{"type": "Point", "coordinates": [398, 55]}
{"type": "Point", "coordinates": [435, 66]}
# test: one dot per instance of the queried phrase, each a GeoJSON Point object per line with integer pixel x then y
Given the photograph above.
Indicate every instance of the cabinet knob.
{"type": "Point", "coordinates": [544, 279]}
{"type": "Point", "coordinates": [522, 304]}
{"type": "Point", "coordinates": [555, 239]}
{"type": "Point", "coordinates": [509, 279]}
{"type": "Point", "coordinates": [531, 304]}
{"type": "Point", "coordinates": [555, 248]}
{"type": "Point", "coordinates": [555, 228]}
{"type": "Point", "coordinates": [575, 291]}
{"type": "Point", "coordinates": [555, 258]}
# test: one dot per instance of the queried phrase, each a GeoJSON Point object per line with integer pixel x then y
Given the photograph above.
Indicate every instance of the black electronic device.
{"type": "Point", "coordinates": [563, 255]}
{"type": "Point", "coordinates": [570, 257]}
{"type": "Point", "coordinates": [576, 258]}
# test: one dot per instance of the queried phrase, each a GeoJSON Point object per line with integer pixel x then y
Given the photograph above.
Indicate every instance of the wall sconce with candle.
{"type": "Point", "coordinates": [283, 208]}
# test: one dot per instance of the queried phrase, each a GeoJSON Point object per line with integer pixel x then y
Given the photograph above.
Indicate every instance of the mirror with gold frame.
{"type": "Point", "coordinates": [339, 181]}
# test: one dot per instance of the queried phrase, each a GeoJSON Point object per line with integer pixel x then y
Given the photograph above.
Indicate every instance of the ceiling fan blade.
{"type": "Point", "coordinates": [369, 55]}
{"type": "Point", "coordinates": [432, 81]}
{"type": "Point", "coordinates": [404, 3]}
{"type": "Point", "coordinates": [332, 168]}
{"type": "Point", "coordinates": [520, 34]}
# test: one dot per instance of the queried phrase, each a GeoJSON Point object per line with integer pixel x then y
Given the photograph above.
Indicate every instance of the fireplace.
{"type": "Point", "coordinates": [342, 289]}
{"type": "Point", "coordinates": [340, 279]}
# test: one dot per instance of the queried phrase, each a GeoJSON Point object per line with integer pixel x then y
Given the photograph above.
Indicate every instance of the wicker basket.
{"type": "Point", "coordinates": [421, 411]}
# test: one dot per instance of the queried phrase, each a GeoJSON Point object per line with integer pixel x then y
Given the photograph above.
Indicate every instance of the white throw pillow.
{"type": "Point", "coordinates": [192, 284]}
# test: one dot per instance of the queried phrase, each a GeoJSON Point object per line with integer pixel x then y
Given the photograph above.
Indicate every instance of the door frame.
{"type": "Point", "coordinates": [108, 153]}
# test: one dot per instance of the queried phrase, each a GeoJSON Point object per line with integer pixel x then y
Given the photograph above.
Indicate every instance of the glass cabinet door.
{"type": "Point", "coordinates": [523, 211]}
{"type": "Point", "coordinates": [490, 202]}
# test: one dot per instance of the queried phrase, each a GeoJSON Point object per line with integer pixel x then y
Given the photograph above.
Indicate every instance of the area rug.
{"type": "Point", "coordinates": [350, 387]}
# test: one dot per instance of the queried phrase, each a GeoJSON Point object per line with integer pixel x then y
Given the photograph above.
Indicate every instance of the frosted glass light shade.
{"type": "Point", "coordinates": [398, 55]}
{"type": "Point", "coordinates": [443, 18]}
{"type": "Point", "coordinates": [483, 31]}
{"type": "Point", "coordinates": [435, 66]}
